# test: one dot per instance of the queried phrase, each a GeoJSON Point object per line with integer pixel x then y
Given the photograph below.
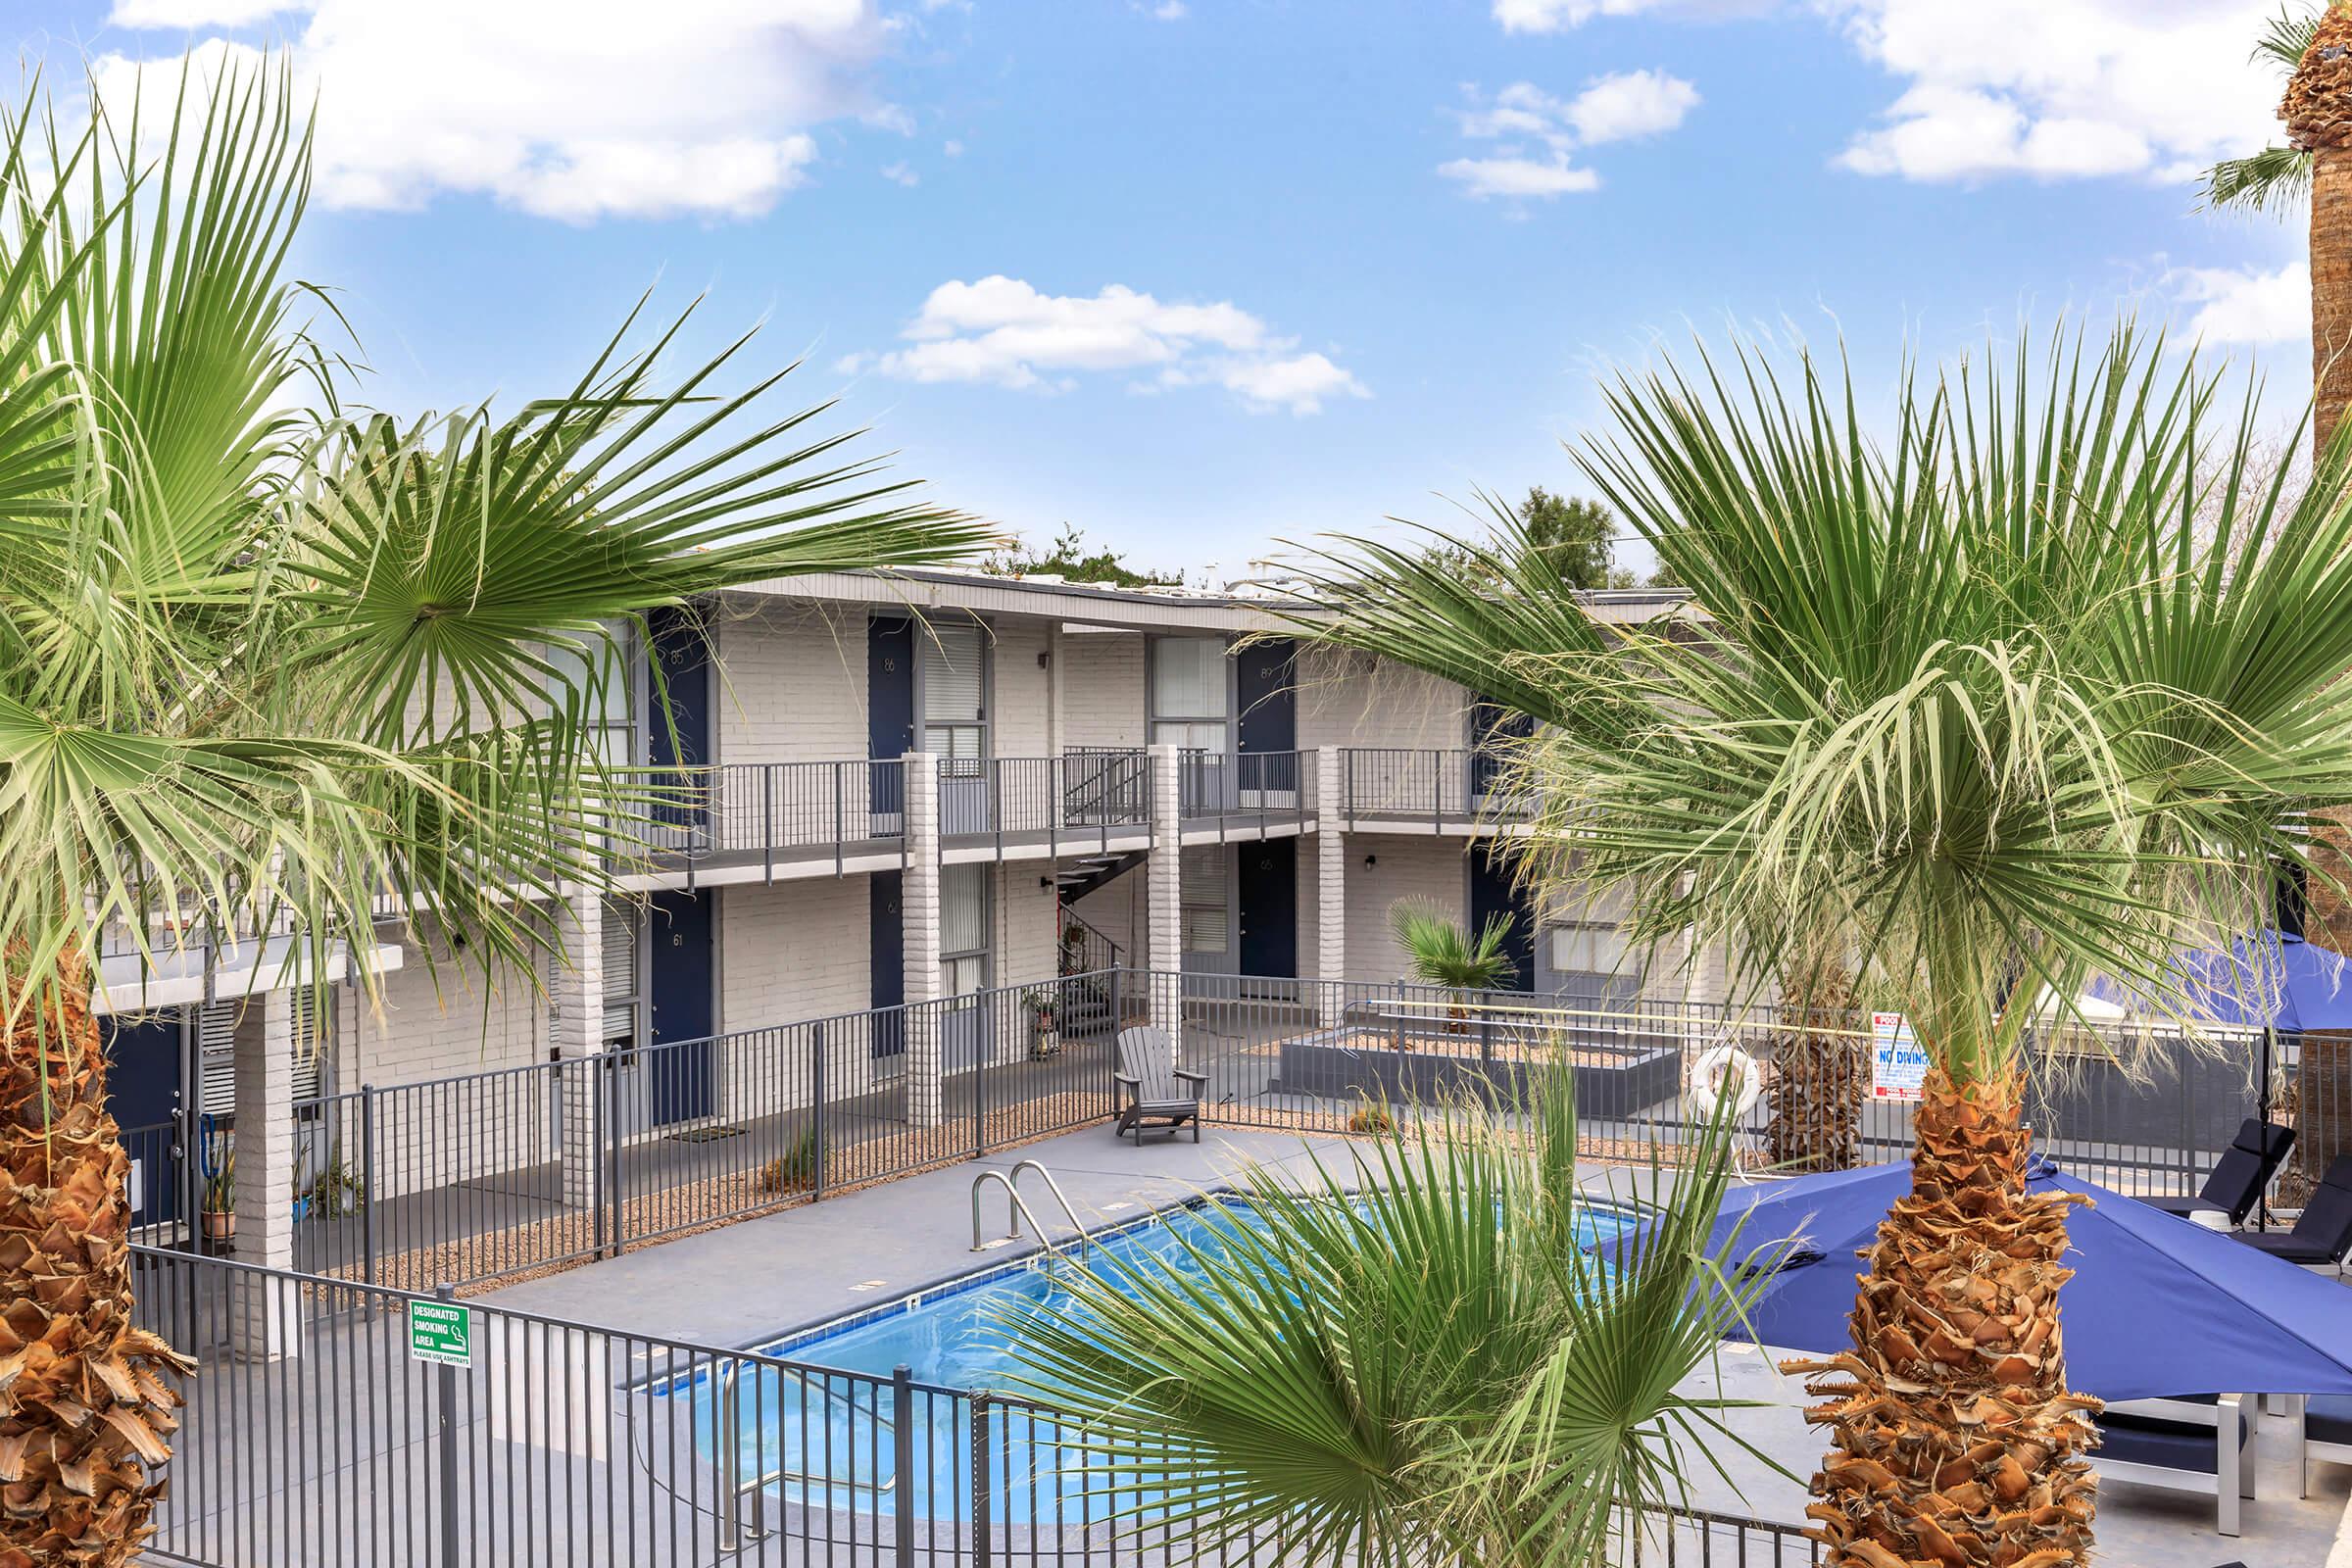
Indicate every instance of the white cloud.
{"type": "Point", "coordinates": [1558, 15]}
{"type": "Point", "coordinates": [570, 109]}
{"type": "Point", "coordinates": [1518, 176]}
{"type": "Point", "coordinates": [1171, 9]}
{"type": "Point", "coordinates": [1004, 331]}
{"type": "Point", "coordinates": [901, 173]}
{"type": "Point", "coordinates": [1300, 383]}
{"type": "Point", "coordinates": [953, 149]}
{"type": "Point", "coordinates": [1631, 102]}
{"type": "Point", "coordinates": [2061, 88]}
{"type": "Point", "coordinates": [2250, 306]}
{"type": "Point", "coordinates": [1539, 133]}
{"type": "Point", "coordinates": [185, 14]}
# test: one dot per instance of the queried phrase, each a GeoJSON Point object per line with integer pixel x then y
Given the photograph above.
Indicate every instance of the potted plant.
{"type": "Point", "coordinates": [220, 1201]}
{"type": "Point", "coordinates": [1044, 1005]}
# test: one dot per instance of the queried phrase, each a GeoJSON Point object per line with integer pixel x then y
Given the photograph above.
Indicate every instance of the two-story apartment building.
{"type": "Point", "coordinates": [924, 786]}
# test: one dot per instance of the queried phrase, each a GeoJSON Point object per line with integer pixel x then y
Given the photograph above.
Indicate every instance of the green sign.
{"type": "Point", "coordinates": [442, 1335]}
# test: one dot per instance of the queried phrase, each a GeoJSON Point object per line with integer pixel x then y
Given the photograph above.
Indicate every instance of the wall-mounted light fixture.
{"type": "Point", "coordinates": [1371, 860]}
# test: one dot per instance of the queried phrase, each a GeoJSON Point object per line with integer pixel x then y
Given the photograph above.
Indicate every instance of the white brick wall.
{"type": "Point", "coordinates": [1429, 868]}
{"type": "Point", "coordinates": [1103, 689]}
{"type": "Point", "coordinates": [792, 685]}
{"type": "Point", "coordinates": [796, 949]}
{"type": "Point", "coordinates": [1020, 712]}
{"type": "Point", "coordinates": [1350, 699]}
{"type": "Point", "coordinates": [469, 1027]}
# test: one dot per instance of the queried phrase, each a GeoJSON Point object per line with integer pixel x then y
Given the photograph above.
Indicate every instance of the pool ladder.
{"type": "Point", "coordinates": [739, 1525]}
{"type": "Point", "coordinates": [1010, 1181]}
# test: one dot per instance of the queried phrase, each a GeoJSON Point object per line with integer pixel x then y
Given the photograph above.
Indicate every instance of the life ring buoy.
{"type": "Point", "coordinates": [1725, 1072]}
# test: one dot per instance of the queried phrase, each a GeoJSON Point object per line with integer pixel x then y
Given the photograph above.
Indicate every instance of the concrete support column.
{"type": "Point", "coordinates": [264, 1319]}
{"type": "Point", "coordinates": [1331, 885]}
{"type": "Point", "coordinates": [918, 915]}
{"type": "Point", "coordinates": [576, 1031]}
{"type": "Point", "coordinates": [1166, 889]}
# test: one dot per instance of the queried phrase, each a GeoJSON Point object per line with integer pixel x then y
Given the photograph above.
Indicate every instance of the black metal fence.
{"type": "Point", "coordinates": [2141, 1111]}
{"type": "Point", "coordinates": [485, 1175]}
{"type": "Point", "coordinates": [315, 1433]}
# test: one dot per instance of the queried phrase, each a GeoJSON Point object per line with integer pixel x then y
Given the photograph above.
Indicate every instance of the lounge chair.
{"type": "Point", "coordinates": [2182, 1445]}
{"type": "Point", "coordinates": [1153, 1088]}
{"type": "Point", "coordinates": [2322, 1233]}
{"type": "Point", "coordinates": [2239, 1179]}
{"type": "Point", "coordinates": [2322, 1424]}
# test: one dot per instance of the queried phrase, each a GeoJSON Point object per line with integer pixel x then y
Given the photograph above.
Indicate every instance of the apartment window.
{"type": "Point", "coordinates": [596, 677]}
{"type": "Point", "coordinates": [963, 928]}
{"type": "Point", "coordinates": [620, 924]}
{"type": "Point", "coordinates": [1189, 693]}
{"type": "Point", "coordinates": [217, 1052]}
{"type": "Point", "coordinates": [1200, 898]}
{"type": "Point", "coordinates": [1588, 948]}
{"type": "Point", "coordinates": [954, 713]}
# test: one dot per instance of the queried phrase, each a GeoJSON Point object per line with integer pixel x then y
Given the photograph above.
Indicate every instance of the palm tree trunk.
{"type": "Point", "coordinates": [1955, 1440]}
{"type": "Point", "coordinates": [85, 1407]}
{"type": "Point", "coordinates": [1820, 1070]}
{"type": "Point", "coordinates": [2330, 289]}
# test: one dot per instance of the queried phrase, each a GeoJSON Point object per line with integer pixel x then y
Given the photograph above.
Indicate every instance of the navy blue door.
{"type": "Point", "coordinates": [1494, 891]}
{"type": "Point", "coordinates": [145, 1060]}
{"type": "Point", "coordinates": [679, 978]}
{"type": "Point", "coordinates": [1266, 696]}
{"type": "Point", "coordinates": [678, 673]}
{"type": "Point", "coordinates": [887, 954]}
{"type": "Point", "coordinates": [888, 715]}
{"type": "Point", "coordinates": [1268, 891]}
{"type": "Point", "coordinates": [1489, 723]}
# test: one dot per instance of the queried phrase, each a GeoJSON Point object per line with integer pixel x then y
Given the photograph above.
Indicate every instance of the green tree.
{"type": "Point", "coordinates": [1577, 537]}
{"type": "Point", "coordinates": [2037, 684]}
{"type": "Point", "coordinates": [1071, 559]}
{"type": "Point", "coordinates": [1416, 1361]}
{"type": "Point", "coordinates": [267, 669]}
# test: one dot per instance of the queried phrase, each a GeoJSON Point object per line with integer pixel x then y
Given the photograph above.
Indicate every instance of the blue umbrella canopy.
{"type": "Point", "coordinates": [2269, 980]}
{"type": "Point", "coordinates": [2158, 1307]}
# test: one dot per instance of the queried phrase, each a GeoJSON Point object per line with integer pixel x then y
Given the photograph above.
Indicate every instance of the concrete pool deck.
{"type": "Point", "coordinates": [743, 1285]}
{"type": "Point", "coordinates": [749, 1282]}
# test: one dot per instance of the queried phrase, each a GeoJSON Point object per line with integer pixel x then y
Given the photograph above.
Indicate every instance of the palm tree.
{"type": "Point", "coordinates": [272, 670]}
{"type": "Point", "coordinates": [2035, 687]}
{"type": "Point", "coordinates": [1471, 613]}
{"type": "Point", "coordinates": [1413, 1361]}
{"type": "Point", "coordinates": [1440, 952]}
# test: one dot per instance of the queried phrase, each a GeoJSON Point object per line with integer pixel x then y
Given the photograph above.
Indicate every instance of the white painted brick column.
{"type": "Point", "coordinates": [263, 1312]}
{"type": "Point", "coordinates": [1331, 885]}
{"type": "Point", "coordinates": [576, 1030]}
{"type": "Point", "coordinates": [918, 915]}
{"type": "Point", "coordinates": [1165, 890]}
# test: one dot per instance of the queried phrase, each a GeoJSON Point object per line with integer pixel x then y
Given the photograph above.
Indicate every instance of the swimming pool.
{"type": "Point", "coordinates": [833, 1440]}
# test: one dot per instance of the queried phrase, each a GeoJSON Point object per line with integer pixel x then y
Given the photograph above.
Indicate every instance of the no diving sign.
{"type": "Point", "coordinates": [1898, 1067]}
{"type": "Point", "coordinates": [441, 1333]}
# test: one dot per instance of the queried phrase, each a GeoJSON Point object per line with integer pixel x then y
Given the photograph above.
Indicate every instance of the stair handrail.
{"type": "Point", "coordinates": [1110, 944]}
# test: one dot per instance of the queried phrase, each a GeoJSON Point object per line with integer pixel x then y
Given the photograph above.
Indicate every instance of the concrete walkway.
{"type": "Point", "coordinates": [743, 1285]}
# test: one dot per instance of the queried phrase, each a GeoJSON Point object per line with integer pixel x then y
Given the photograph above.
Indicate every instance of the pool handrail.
{"type": "Point", "coordinates": [1020, 1209]}
{"type": "Point", "coordinates": [727, 1458]}
{"type": "Point", "coordinates": [1013, 1180]}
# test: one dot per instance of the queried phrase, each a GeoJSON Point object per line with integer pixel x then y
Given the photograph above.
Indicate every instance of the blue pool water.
{"type": "Point", "coordinates": [831, 1440]}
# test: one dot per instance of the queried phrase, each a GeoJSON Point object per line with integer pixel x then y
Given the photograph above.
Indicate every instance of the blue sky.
{"type": "Point", "coordinates": [1196, 275]}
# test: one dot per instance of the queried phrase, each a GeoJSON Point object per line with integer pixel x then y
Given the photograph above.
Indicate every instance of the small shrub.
{"type": "Point", "coordinates": [797, 1167]}
{"type": "Point", "coordinates": [1372, 1119]}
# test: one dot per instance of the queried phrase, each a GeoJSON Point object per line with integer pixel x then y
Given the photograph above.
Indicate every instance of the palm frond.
{"type": "Point", "coordinates": [1443, 954]}
{"type": "Point", "coordinates": [2263, 181]}
{"type": "Point", "coordinates": [1422, 1361]}
{"type": "Point", "coordinates": [2040, 686]}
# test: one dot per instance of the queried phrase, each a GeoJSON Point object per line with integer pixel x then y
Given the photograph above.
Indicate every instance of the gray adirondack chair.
{"type": "Point", "coordinates": [1153, 1088]}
